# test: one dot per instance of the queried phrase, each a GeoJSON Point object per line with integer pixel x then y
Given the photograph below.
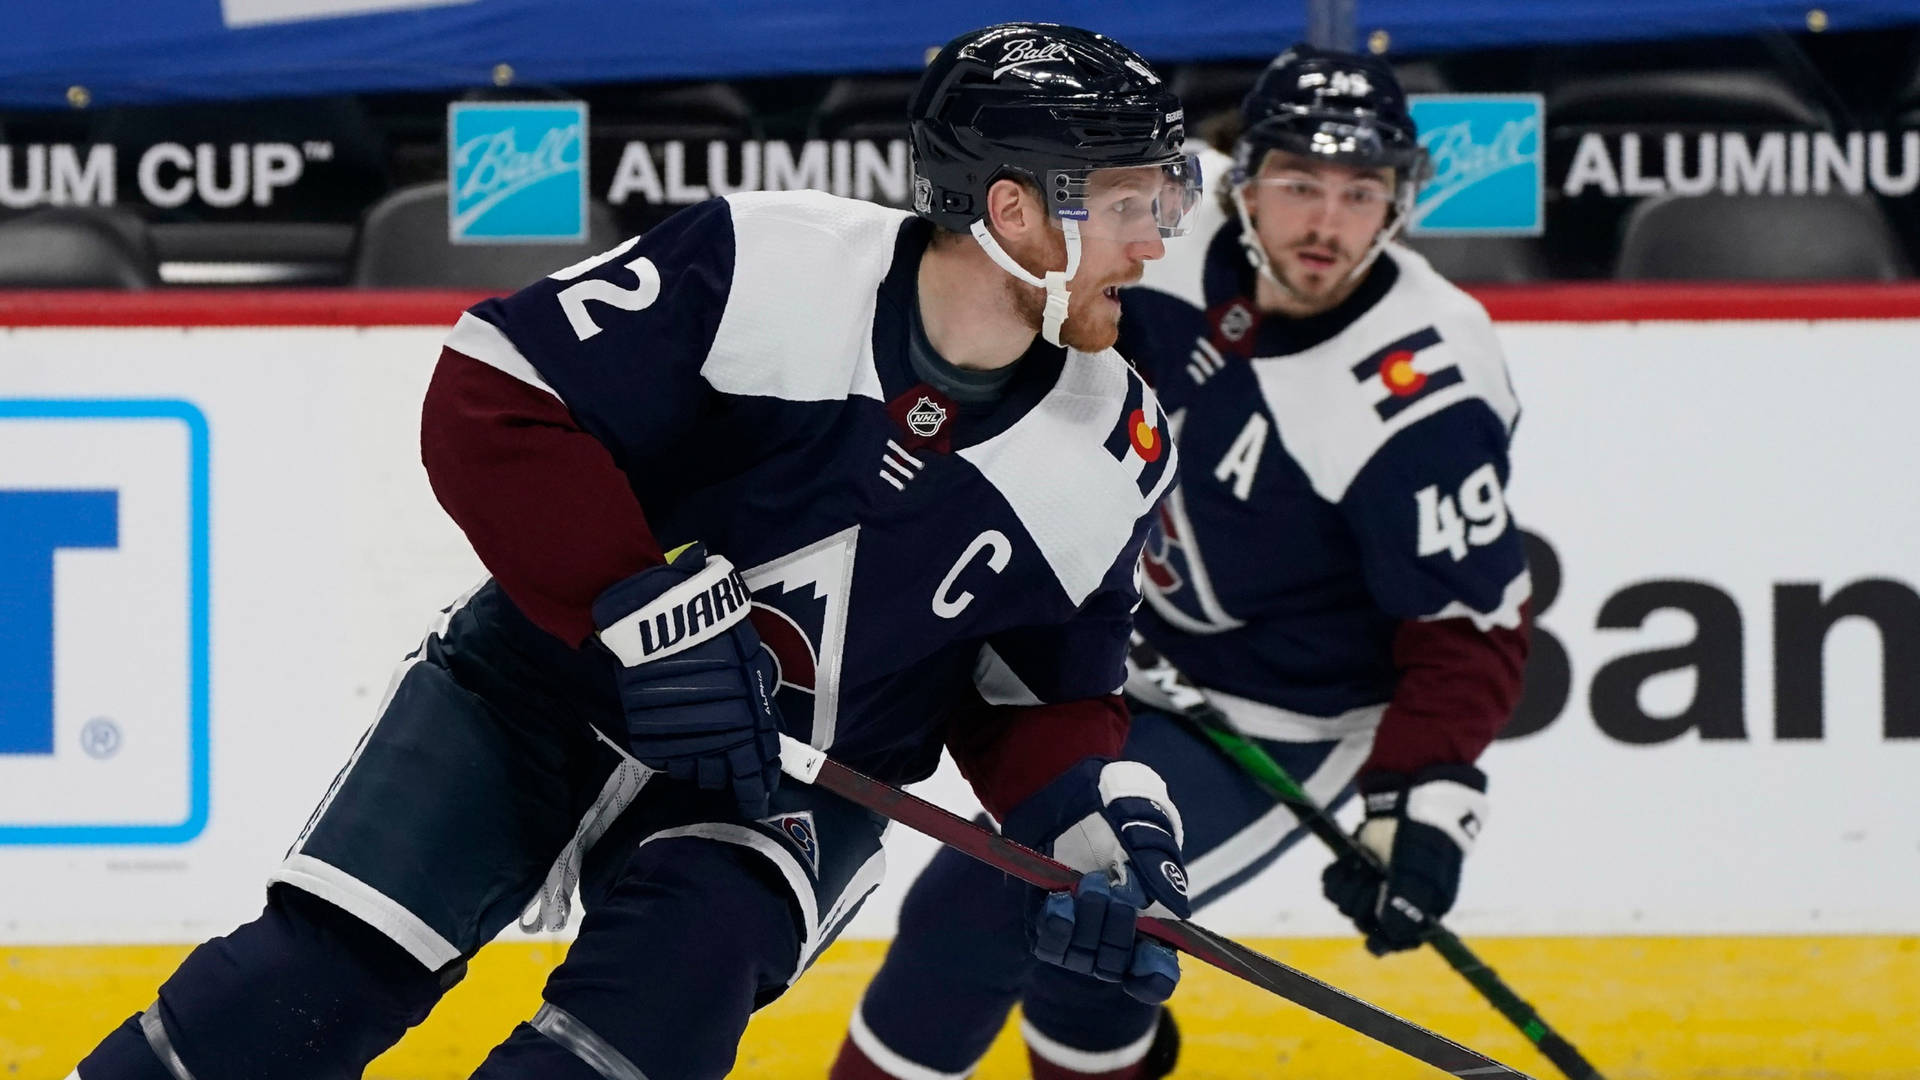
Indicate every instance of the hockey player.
{"type": "Point", "coordinates": [788, 463]}
{"type": "Point", "coordinates": [1337, 570]}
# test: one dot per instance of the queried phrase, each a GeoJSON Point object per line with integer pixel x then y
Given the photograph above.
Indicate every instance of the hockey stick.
{"type": "Point", "coordinates": [810, 766]}
{"type": "Point", "coordinates": [1212, 723]}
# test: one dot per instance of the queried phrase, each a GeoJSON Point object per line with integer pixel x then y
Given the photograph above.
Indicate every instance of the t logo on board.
{"type": "Point", "coordinates": [103, 622]}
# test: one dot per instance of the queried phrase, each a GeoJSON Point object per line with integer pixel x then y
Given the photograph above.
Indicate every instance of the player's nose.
{"type": "Point", "coordinates": [1153, 247]}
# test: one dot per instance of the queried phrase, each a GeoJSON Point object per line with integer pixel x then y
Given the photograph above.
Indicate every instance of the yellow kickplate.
{"type": "Point", "coordinates": [1788, 1008]}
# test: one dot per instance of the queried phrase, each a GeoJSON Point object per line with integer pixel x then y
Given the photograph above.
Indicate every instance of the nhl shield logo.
{"type": "Point", "coordinates": [925, 418]}
{"type": "Point", "coordinates": [1235, 322]}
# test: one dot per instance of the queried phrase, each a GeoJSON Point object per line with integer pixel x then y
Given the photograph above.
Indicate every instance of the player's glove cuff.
{"type": "Point", "coordinates": [1111, 816]}
{"type": "Point", "coordinates": [1449, 797]}
{"type": "Point", "coordinates": [663, 610]}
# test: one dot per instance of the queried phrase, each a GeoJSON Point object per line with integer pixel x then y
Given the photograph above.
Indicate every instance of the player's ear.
{"type": "Point", "coordinates": [1013, 209]}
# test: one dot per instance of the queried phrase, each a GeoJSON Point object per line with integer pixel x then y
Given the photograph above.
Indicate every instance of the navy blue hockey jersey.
{"type": "Point", "coordinates": [744, 367]}
{"type": "Point", "coordinates": [1340, 527]}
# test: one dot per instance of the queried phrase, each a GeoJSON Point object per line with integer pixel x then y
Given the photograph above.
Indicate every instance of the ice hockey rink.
{"type": "Point", "coordinates": [1694, 225]}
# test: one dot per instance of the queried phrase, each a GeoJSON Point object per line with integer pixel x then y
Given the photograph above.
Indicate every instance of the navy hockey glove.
{"type": "Point", "coordinates": [1421, 827]}
{"type": "Point", "coordinates": [1114, 821]}
{"type": "Point", "coordinates": [695, 683]}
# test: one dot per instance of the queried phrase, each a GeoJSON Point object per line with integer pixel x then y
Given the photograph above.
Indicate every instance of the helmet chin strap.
{"type": "Point", "coordinates": [1257, 253]}
{"type": "Point", "coordinates": [1055, 281]}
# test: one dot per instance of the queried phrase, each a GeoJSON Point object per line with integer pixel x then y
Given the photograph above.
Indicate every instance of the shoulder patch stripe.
{"type": "Point", "coordinates": [1412, 343]}
{"type": "Point", "coordinates": [1139, 440]}
{"type": "Point", "coordinates": [1119, 440]}
{"type": "Point", "coordinates": [1434, 383]}
{"type": "Point", "coordinates": [1404, 384]}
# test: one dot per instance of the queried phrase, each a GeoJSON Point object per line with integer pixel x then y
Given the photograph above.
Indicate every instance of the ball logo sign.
{"type": "Point", "coordinates": [103, 622]}
{"type": "Point", "coordinates": [517, 173]}
{"type": "Point", "coordinates": [1489, 175]}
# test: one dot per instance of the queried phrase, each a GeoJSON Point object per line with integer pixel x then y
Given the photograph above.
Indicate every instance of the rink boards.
{"type": "Point", "coordinates": [1702, 853]}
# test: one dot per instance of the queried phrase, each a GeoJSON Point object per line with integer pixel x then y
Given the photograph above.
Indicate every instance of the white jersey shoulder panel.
{"type": "Point", "coordinates": [1182, 270]}
{"type": "Point", "coordinates": [1078, 502]}
{"type": "Point", "coordinates": [1327, 415]}
{"type": "Point", "coordinates": [799, 318]}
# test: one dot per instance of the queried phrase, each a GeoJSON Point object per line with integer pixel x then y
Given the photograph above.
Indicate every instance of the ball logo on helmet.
{"type": "Point", "coordinates": [1023, 51]}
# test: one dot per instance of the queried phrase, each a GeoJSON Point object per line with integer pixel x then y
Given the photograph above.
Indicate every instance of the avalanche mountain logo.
{"type": "Point", "coordinates": [798, 830]}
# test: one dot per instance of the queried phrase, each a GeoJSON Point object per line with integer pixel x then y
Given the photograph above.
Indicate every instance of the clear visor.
{"type": "Point", "coordinates": [1129, 204]}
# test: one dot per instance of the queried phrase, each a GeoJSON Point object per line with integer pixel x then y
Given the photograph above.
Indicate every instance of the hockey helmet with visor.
{"type": "Point", "coordinates": [1078, 117]}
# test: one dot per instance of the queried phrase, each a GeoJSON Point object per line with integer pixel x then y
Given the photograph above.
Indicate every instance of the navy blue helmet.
{"type": "Point", "coordinates": [1338, 106]}
{"type": "Point", "coordinates": [1039, 102]}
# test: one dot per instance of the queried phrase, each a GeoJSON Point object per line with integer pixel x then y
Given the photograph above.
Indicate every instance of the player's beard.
{"type": "Point", "coordinates": [1323, 282]}
{"type": "Point", "coordinates": [1092, 323]}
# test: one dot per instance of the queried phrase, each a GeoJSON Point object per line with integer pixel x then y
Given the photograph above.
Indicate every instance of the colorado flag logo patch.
{"type": "Point", "coordinates": [1403, 373]}
{"type": "Point", "coordinates": [1138, 440]}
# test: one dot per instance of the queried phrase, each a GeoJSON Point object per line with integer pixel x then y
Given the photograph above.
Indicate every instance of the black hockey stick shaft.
{"type": "Point", "coordinates": [1271, 775]}
{"type": "Point", "coordinates": [811, 766]}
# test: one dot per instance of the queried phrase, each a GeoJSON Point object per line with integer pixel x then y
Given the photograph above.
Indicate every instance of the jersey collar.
{"type": "Point", "coordinates": [1228, 278]}
{"type": "Point", "coordinates": [1035, 373]}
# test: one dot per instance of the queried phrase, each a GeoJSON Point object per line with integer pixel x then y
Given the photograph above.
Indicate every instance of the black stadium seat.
{"type": "Point", "coordinates": [1504, 260]}
{"type": "Point", "coordinates": [694, 112]}
{"type": "Point", "coordinates": [1735, 238]}
{"type": "Point", "coordinates": [404, 243]}
{"type": "Point", "coordinates": [1211, 95]}
{"type": "Point", "coordinates": [864, 108]}
{"type": "Point", "coordinates": [344, 154]}
{"type": "Point", "coordinates": [1711, 96]}
{"type": "Point", "coordinates": [1208, 88]}
{"type": "Point", "coordinates": [1610, 103]}
{"type": "Point", "coordinates": [76, 248]}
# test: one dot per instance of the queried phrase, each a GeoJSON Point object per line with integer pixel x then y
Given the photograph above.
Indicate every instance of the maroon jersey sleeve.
{"type": "Point", "coordinates": [1008, 752]}
{"type": "Point", "coordinates": [541, 500]}
{"type": "Point", "coordinates": [1458, 686]}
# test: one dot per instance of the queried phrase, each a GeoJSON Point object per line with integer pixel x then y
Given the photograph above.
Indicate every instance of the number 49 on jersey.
{"type": "Point", "coordinates": [1452, 524]}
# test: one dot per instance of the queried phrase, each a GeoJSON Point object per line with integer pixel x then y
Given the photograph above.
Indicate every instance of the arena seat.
{"type": "Point", "coordinates": [403, 242]}
{"type": "Point", "coordinates": [1630, 98]}
{"type": "Point", "coordinates": [693, 111]}
{"type": "Point", "coordinates": [335, 182]}
{"type": "Point", "coordinates": [1716, 97]}
{"type": "Point", "coordinates": [1743, 238]}
{"type": "Point", "coordinates": [864, 108]}
{"type": "Point", "coordinates": [76, 248]}
{"type": "Point", "coordinates": [1501, 260]}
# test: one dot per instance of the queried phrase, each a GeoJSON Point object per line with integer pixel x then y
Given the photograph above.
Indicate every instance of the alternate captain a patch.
{"type": "Point", "coordinates": [1399, 371]}
{"type": "Point", "coordinates": [1139, 440]}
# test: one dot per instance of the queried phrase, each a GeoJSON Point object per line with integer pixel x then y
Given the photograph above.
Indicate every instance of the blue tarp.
{"type": "Point", "coordinates": [146, 51]}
